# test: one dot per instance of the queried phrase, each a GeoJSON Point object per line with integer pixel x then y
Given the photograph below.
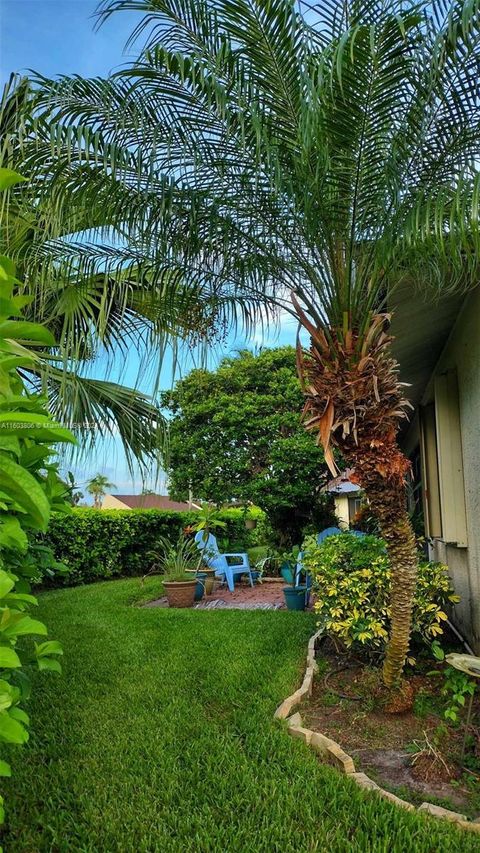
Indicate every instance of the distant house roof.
{"type": "Point", "coordinates": [152, 502]}
{"type": "Point", "coordinates": [342, 484]}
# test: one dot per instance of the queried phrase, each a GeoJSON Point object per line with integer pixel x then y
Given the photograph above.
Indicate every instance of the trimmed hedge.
{"type": "Point", "coordinates": [100, 544]}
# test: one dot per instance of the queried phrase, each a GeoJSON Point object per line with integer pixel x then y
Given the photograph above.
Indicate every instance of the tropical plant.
{"type": "Point", "coordinates": [352, 580]}
{"type": "Point", "coordinates": [173, 559]}
{"type": "Point", "coordinates": [81, 311]}
{"type": "Point", "coordinates": [98, 487]}
{"type": "Point", "coordinates": [208, 520]}
{"type": "Point", "coordinates": [235, 433]}
{"type": "Point", "coordinates": [265, 156]}
{"type": "Point", "coordinates": [30, 489]}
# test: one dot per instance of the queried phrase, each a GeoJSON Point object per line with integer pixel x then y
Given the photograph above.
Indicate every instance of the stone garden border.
{"type": "Point", "coordinates": [330, 752]}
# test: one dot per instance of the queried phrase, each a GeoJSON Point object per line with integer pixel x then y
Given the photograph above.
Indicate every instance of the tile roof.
{"type": "Point", "coordinates": [151, 502]}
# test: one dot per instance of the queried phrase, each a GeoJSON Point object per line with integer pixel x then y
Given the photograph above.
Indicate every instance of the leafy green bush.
{"type": "Point", "coordinates": [29, 489]}
{"type": "Point", "coordinates": [100, 544]}
{"type": "Point", "coordinates": [351, 579]}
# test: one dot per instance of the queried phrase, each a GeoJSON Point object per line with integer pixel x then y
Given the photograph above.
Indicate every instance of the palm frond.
{"type": "Point", "coordinates": [95, 409]}
{"type": "Point", "coordinates": [258, 148]}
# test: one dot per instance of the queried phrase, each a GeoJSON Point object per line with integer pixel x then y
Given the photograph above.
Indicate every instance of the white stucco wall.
{"type": "Point", "coordinates": [462, 352]}
{"type": "Point", "coordinates": [341, 510]}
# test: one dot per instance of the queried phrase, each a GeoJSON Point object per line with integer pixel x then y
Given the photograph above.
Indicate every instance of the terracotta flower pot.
{"type": "Point", "coordinates": [180, 593]}
{"type": "Point", "coordinates": [209, 581]}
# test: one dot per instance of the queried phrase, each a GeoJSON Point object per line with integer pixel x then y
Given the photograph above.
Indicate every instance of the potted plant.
{"type": "Point", "coordinates": [296, 595]}
{"type": "Point", "coordinates": [176, 562]}
{"type": "Point", "coordinates": [288, 564]}
{"type": "Point", "coordinates": [208, 520]}
{"type": "Point", "coordinates": [201, 584]}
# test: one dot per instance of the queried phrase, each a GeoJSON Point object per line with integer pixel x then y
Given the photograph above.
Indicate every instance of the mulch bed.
{"type": "Point", "coordinates": [413, 753]}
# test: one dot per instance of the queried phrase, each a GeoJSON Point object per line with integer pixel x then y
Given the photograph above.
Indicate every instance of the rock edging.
{"type": "Point", "coordinates": [330, 752]}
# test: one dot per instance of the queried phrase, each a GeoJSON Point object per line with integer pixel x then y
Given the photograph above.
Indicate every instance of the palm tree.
{"type": "Point", "coordinates": [81, 312]}
{"type": "Point", "coordinates": [263, 156]}
{"type": "Point", "coordinates": [97, 487]}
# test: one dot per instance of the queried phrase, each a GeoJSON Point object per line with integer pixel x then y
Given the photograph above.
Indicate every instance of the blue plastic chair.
{"type": "Point", "coordinates": [329, 531]}
{"type": "Point", "coordinates": [334, 531]}
{"type": "Point", "coordinates": [215, 560]}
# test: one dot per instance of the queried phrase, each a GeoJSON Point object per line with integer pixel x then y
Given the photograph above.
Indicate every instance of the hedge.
{"type": "Point", "coordinates": [100, 544]}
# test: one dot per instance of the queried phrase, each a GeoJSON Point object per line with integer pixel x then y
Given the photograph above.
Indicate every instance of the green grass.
{"type": "Point", "coordinates": [159, 737]}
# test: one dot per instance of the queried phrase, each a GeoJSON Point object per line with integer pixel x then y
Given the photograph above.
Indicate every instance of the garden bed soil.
{"type": "Point", "coordinates": [414, 754]}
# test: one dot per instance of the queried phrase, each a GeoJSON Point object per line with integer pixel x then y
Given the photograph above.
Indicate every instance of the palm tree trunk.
{"type": "Point", "coordinates": [354, 401]}
{"type": "Point", "coordinates": [388, 504]}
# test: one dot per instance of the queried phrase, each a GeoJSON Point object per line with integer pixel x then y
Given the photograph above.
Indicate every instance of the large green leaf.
{"type": "Point", "coordinates": [24, 625]}
{"type": "Point", "coordinates": [10, 443]}
{"type": "Point", "coordinates": [24, 490]}
{"type": "Point", "coordinates": [6, 583]}
{"type": "Point", "coordinates": [12, 731]}
{"type": "Point", "coordinates": [50, 647]}
{"type": "Point", "coordinates": [22, 330]}
{"type": "Point", "coordinates": [9, 658]}
{"type": "Point", "coordinates": [8, 178]}
{"type": "Point", "coordinates": [51, 664]}
{"type": "Point", "coordinates": [7, 268]}
{"type": "Point", "coordinates": [11, 536]}
{"type": "Point", "coordinates": [34, 425]}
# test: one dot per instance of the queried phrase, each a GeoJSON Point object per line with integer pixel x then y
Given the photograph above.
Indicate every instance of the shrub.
{"type": "Point", "coordinates": [30, 489]}
{"type": "Point", "coordinates": [100, 544]}
{"type": "Point", "coordinates": [351, 578]}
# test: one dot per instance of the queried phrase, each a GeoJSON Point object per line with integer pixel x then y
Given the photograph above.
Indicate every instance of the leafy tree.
{"type": "Point", "coordinates": [258, 158]}
{"type": "Point", "coordinates": [97, 487]}
{"type": "Point", "coordinates": [236, 433]}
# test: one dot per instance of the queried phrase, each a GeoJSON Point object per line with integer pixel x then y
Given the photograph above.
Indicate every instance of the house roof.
{"type": "Point", "coordinates": [420, 327]}
{"type": "Point", "coordinates": [342, 485]}
{"type": "Point", "coordinates": [152, 502]}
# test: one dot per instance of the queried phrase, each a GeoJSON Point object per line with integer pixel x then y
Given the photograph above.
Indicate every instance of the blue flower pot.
{"type": "Point", "coordinates": [286, 572]}
{"type": "Point", "coordinates": [200, 586]}
{"type": "Point", "coordinates": [255, 576]}
{"type": "Point", "coordinates": [295, 597]}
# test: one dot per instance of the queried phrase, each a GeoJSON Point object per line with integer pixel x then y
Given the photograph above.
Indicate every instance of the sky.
{"type": "Point", "coordinates": [57, 37]}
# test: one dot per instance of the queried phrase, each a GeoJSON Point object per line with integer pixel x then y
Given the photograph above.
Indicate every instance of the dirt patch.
{"type": "Point", "coordinates": [413, 754]}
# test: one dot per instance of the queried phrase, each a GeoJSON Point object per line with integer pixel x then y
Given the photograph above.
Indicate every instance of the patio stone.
{"type": "Point", "coordinates": [299, 732]}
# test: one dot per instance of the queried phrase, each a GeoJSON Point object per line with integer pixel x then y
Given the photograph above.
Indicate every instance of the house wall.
{"type": "Point", "coordinates": [342, 511]}
{"type": "Point", "coordinates": [454, 390]}
{"type": "Point", "coordinates": [111, 502]}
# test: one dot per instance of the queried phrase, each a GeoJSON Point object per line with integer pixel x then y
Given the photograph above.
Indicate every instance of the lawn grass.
{"type": "Point", "coordinates": [159, 737]}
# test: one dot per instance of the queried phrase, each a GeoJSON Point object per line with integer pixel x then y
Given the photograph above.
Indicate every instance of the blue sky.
{"type": "Point", "coordinates": [57, 37]}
